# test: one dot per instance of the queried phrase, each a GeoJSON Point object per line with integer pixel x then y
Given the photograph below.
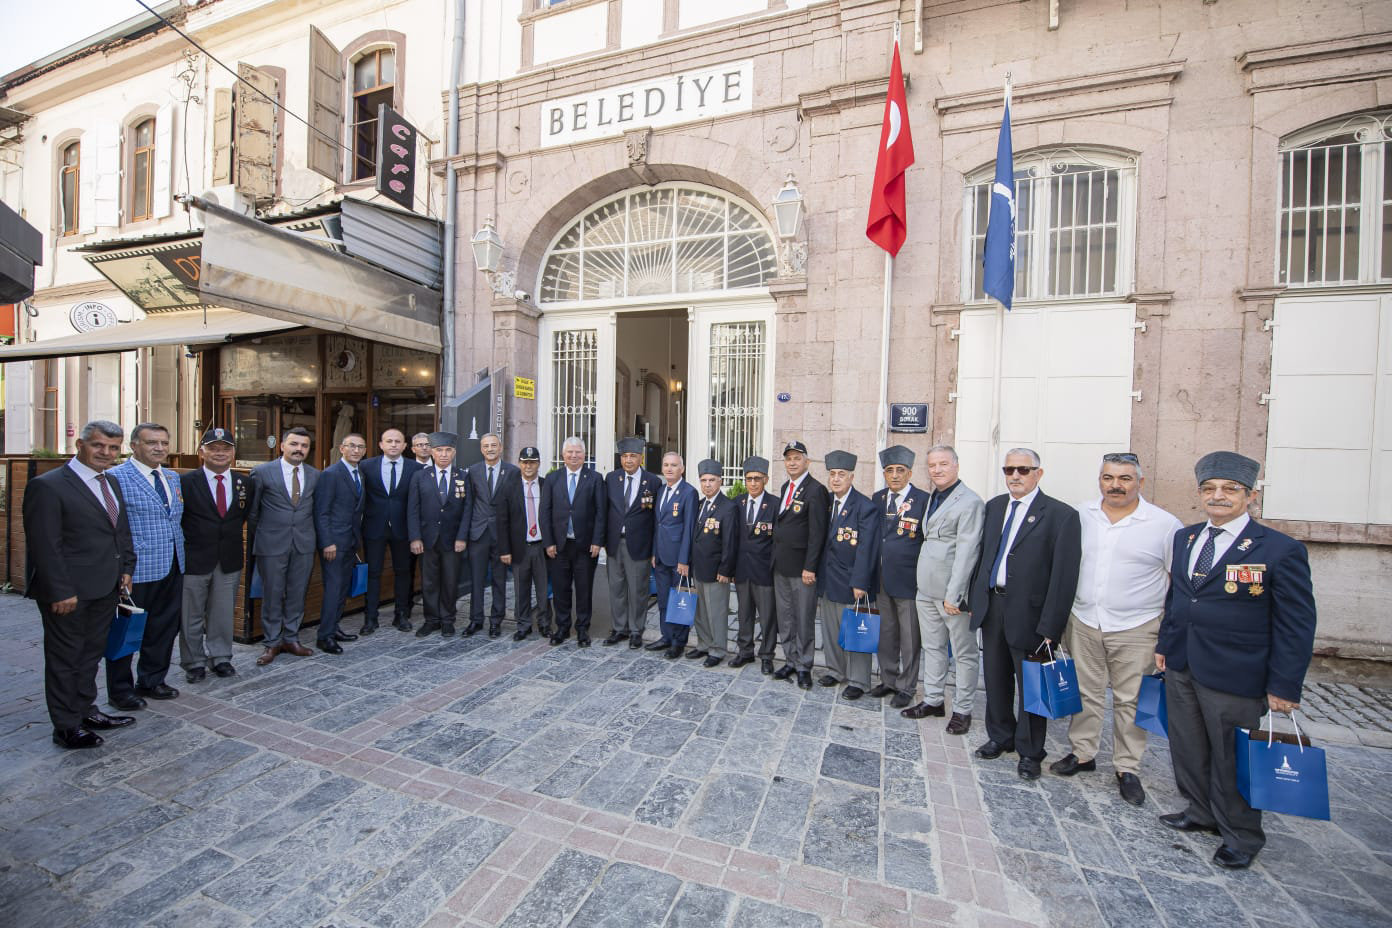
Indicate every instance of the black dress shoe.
{"type": "Point", "coordinates": [852, 692]}
{"type": "Point", "coordinates": [224, 669]}
{"type": "Point", "coordinates": [402, 624]}
{"type": "Point", "coordinates": [558, 639]}
{"type": "Point", "coordinates": [521, 634]}
{"type": "Point", "coordinates": [658, 645]}
{"type": "Point", "coordinates": [827, 679]}
{"type": "Point", "coordinates": [368, 628]}
{"type": "Point", "coordinates": [103, 722]}
{"type": "Point", "coordinates": [881, 691]}
{"type": "Point", "coordinates": [959, 724]}
{"type": "Point", "coordinates": [126, 703]}
{"type": "Point", "coordinates": [804, 679]}
{"type": "Point", "coordinates": [711, 661]}
{"type": "Point", "coordinates": [901, 700]}
{"type": "Point", "coordinates": [635, 642]}
{"type": "Point", "coordinates": [446, 631]}
{"type": "Point", "coordinates": [73, 738]}
{"type": "Point", "coordinates": [784, 672]}
{"type": "Point", "coordinates": [923, 710]}
{"type": "Point", "coordinates": [471, 628]}
{"type": "Point", "coordinates": [673, 652]}
{"type": "Point", "coordinates": [991, 750]}
{"type": "Point", "coordinates": [614, 638]}
{"type": "Point", "coordinates": [582, 641]}
{"type": "Point", "coordinates": [766, 667]}
{"type": "Point", "coordinates": [329, 646]}
{"type": "Point", "coordinates": [344, 636]}
{"type": "Point", "coordinates": [425, 631]}
{"type": "Point", "coordinates": [494, 631]}
{"type": "Point", "coordinates": [1232, 859]}
{"type": "Point", "coordinates": [1069, 764]}
{"type": "Point", "coordinates": [1028, 768]}
{"type": "Point", "coordinates": [695, 654]}
{"type": "Point", "coordinates": [1131, 790]}
{"type": "Point", "coordinates": [740, 661]}
{"type": "Point", "coordinates": [1180, 821]}
{"type": "Point", "coordinates": [196, 675]}
{"type": "Point", "coordinates": [158, 691]}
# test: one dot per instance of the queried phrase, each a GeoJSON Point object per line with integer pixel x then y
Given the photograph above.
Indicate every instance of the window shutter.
{"type": "Point", "coordinates": [255, 120]}
{"type": "Point", "coordinates": [19, 406]}
{"type": "Point", "coordinates": [86, 183]}
{"type": "Point", "coordinates": [325, 106]}
{"type": "Point", "coordinates": [106, 189]}
{"type": "Point", "coordinates": [161, 204]}
{"type": "Point", "coordinates": [222, 136]}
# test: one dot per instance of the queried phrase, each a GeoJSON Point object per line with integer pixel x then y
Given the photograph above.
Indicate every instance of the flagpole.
{"type": "Point", "coordinates": [882, 423]}
{"type": "Point", "coordinates": [994, 455]}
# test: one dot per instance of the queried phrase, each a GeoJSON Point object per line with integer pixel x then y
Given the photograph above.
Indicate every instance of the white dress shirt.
{"type": "Point", "coordinates": [1125, 569]}
{"type": "Point", "coordinates": [1230, 533]}
{"type": "Point", "coordinates": [152, 474]}
{"type": "Point", "coordinates": [387, 471]}
{"type": "Point", "coordinates": [353, 471]}
{"type": "Point", "coordinates": [793, 490]}
{"type": "Point", "coordinates": [212, 484]}
{"type": "Point", "coordinates": [286, 470]}
{"type": "Point", "coordinates": [1021, 514]}
{"type": "Point", "coordinates": [756, 501]}
{"type": "Point", "coordinates": [531, 498]}
{"type": "Point", "coordinates": [89, 479]}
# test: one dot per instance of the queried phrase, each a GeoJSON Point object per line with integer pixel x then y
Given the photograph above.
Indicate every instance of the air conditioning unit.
{"type": "Point", "coordinates": [226, 195]}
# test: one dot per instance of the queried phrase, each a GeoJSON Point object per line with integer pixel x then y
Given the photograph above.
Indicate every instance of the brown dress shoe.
{"type": "Point", "coordinates": [295, 648]}
{"type": "Point", "coordinates": [959, 724]}
{"type": "Point", "coordinates": [922, 711]}
{"type": "Point", "coordinates": [268, 655]}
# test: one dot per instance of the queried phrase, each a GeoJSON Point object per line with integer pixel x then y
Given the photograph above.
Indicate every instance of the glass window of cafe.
{"type": "Point", "coordinates": [331, 385]}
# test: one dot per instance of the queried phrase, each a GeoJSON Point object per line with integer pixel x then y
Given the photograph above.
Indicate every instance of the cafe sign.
{"type": "Point", "coordinates": [666, 101]}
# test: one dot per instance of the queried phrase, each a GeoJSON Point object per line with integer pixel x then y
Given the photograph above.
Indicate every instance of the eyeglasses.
{"type": "Point", "coordinates": [1022, 471]}
{"type": "Point", "coordinates": [1226, 489]}
{"type": "Point", "coordinates": [1121, 457]}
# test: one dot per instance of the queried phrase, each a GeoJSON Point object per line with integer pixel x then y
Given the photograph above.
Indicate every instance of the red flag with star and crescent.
{"type": "Point", "coordinates": [888, 222]}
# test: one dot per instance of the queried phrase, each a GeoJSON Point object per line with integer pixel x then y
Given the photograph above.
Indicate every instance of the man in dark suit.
{"type": "Point", "coordinates": [903, 508]}
{"type": "Point", "coordinates": [282, 527]}
{"type": "Point", "coordinates": [754, 567]}
{"type": "Point", "coordinates": [799, 534]}
{"type": "Point", "coordinates": [420, 449]}
{"type": "Point", "coordinates": [517, 515]}
{"type": "Point", "coordinates": [1236, 639]}
{"type": "Point", "coordinates": [484, 479]}
{"type": "Point", "coordinates": [437, 521]}
{"type": "Point", "coordinates": [572, 526]}
{"type": "Point", "coordinates": [386, 481]}
{"type": "Point", "coordinates": [632, 495]}
{"type": "Point", "coordinates": [338, 513]}
{"type": "Point", "coordinates": [216, 504]}
{"type": "Point", "coordinates": [673, 528]}
{"type": "Point", "coordinates": [154, 501]}
{"type": "Point", "coordinates": [1031, 547]}
{"type": "Point", "coordinates": [847, 573]}
{"type": "Point", "coordinates": [80, 558]}
{"type": "Point", "coordinates": [714, 548]}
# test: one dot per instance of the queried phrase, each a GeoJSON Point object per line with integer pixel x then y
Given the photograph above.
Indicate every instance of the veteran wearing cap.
{"type": "Point", "coordinates": [437, 511]}
{"type": "Point", "coordinates": [799, 534]}
{"type": "Point", "coordinates": [517, 514]}
{"type": "Point", "coordinates": [1236, 639]}
{"type": "Point", "coordinates": [847, 576]}
{"type": "Point", "coordinates": [754, 567]}
{"type": "Point", "coordinates": [713, 552]}
{"type": "Point", "coordinates": [903, 507]}
{"type": "Point", "coordinates": [632, 494]}
{"type": "Point", "coordinates": [216, 503]}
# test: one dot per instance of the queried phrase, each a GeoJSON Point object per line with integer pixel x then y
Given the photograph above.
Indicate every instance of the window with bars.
{"type": "Point", "coordinates": [1073, 226]}
{"type": "Point", "coordinates": [575, 396]}
{"type": "Point", "coordinates": [737, 355]}
{"type": "Point", "coordinates": [658, 241]}
{"type": "Point", "coordinates": [1335, 212]}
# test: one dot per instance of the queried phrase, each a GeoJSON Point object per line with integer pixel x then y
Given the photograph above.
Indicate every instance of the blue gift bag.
{"type": "Point", "coordinates": [1282, 773]}
{"type": "Point", "coordinates": [1150, 706]}
{"type": "Point", "coordinates": [1050, 686]}
{"type": "Point", "coordinates": [359, 586]}
{"type": "Point", "coordinates": [127, 631]}
{"type": "Point", "coordinates": [681, 606]}
{"type": "Point", "coordinates": [254, 585]}
{"type": "Point", "coordinates": [860, 630]}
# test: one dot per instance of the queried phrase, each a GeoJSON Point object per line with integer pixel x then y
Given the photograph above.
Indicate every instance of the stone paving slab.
{"type": "Point", "coordinates": [473, 782]}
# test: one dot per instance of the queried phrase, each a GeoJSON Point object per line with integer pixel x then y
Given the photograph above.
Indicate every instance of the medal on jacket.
{"type": "Point", "coordinates": [459, 489]}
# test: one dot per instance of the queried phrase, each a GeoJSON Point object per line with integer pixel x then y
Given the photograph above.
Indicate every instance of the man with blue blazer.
{"type": "Point", "coordinates": [903, 507]}
{"type": "Point", "coordinates": [1021, 595]}
{"type": "Point", "coordinates": [572, 528]}
{"type": "Point", "coordinates": [485, 478]}
{"type": "Point", "coordinates": [282, 531]}
{"type": "Point", "coordinates": [714, 547]}
{"type": "Point", "coordinates": [338, 512]}
{"type": "Point", "coordinates": [386, 481]}
{"type": "Point", "coordinates": [847, 575]}
{"type": "Point", "coordinates": [155, 507]}
{"type": "Point", "coordinates": [632, 496]}
{"type": "Point", "coordinates": [437, 522]}
{"type": "Point", "coordinates": [675, 525]}
{"type": "Point", "coordinates": [1236, 639]}
{"type": "Point", "coordinates": [754, 567]}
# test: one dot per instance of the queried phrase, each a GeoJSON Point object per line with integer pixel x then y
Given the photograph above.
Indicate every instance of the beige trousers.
{"type": "Point", "coordinates": [1121, 659]}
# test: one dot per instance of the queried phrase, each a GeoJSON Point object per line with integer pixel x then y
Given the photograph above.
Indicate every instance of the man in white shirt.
{"type": "Point", "coordinates": [517, 518]}
{"type": "Point", "coordinates": [1122, 581]}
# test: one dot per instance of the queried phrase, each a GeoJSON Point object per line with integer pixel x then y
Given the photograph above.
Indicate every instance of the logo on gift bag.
{"type": "Point", "coordinates": [1062, 683]}
{"type": "Point", "coordinates": [1286, 771]}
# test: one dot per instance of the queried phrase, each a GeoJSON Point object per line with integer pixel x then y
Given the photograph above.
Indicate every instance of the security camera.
{"type": "Point", "coordinates": [522, 296]}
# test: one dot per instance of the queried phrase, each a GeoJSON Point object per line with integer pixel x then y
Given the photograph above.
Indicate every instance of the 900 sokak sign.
{"type": "Point", "coordinates": [667, 101]}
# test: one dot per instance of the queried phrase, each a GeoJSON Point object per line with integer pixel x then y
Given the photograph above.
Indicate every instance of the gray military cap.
{"type": "Point", "coordinates": [756, 465]}
{"type": "Point", "coordinates": [630, 446]}
{"type": "Point", "coordinates": [1228, 465]}
{"type": "Point", "coordinates": [840, 460]}
{"type": "Point", "coordinates": [443, 439]}
{"type": "Point", "coordinates": [710, 467]}
{"type": "Point", "coordinates": [896, 454]}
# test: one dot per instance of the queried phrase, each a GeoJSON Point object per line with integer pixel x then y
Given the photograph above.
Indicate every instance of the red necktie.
{"type": "Point", "coordinates": [107, 498]}
{"type": "Point", "coordinates": [789, 501]}
{"type": "Point", "coordinates": [531, 514]}
{"type": "Point", "coordinates": [221, 496]}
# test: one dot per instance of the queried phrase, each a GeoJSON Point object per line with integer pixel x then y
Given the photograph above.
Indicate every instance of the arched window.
{"type": "Point", "coordinates": [1335, 208]}
{"type": "Point", "coordinates": [1074, 225]}
{"type": "Point", "coordinates": [374, 78]}
{"type": "Point", "coordinates": [657, 241]}
{"type": "Point", "coordinates": [68, 188]}
{"type": "Point", "coordinates": [142, 193]}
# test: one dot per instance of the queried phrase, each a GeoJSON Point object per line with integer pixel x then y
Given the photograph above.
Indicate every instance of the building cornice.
{"type": "Point", "coordinates": [1310, 64]}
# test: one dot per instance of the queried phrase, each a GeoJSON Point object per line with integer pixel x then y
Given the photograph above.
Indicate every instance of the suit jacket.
{"type": "Point", "coordinates": [633, 524]}
{"type": "Point", "coordinates": [754, 563]}
{"type": "Point", "coordinates": [1254, 640]}
{"type": "Point", "coordinates": [211, 540]}
{"type": "Point", "coordinates": [435, 524]}
{"type": "Point", "coordinates": [156, 531]}
{"type": "Point", "coordinates": [278, 526]}
{"type": "Point", "coordinates": [72, 547]}
{"type": "Point", "coordinates": [716, 543]}
{"type": "Point", "coordinates": [951, 546]}
{"type": "Point", "coordinates": [338, 508]}
{"type": "Point", "coordinates": [852, 551]}
{"type": "Point", "coordinates": [384, 513]}
{"type": "Point", "coordinates": [675, 525]}
{"type": "Point", "coordinates": [481, 517]}
{"type": "Point", "coordinates": [585, 514]}
{"type": "Point", "coordinates": [901, 537]}
{"type": "Point", "coordinates": [510, 513]}
{"type": "Point", "coordinates": [799, 530]}
{"type": "Point", "coordinates": [1041, 570]}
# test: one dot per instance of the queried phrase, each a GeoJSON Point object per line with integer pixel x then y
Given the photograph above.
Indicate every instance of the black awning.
{"type": "Point", "coordinates": [21, 249]}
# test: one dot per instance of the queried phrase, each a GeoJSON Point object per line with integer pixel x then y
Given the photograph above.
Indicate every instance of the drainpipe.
{"type": "Point", "coordinates": [447, 389]}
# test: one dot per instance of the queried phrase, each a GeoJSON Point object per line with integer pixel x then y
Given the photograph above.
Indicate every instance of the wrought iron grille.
{"type": "Point", "coordinates": [737, 353]}
{"type": "Point", "coordinates": [574, 368]}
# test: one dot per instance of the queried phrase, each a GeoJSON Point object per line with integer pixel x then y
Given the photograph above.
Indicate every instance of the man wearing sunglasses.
{"type": "Point", "coordinates": [1020, 597]}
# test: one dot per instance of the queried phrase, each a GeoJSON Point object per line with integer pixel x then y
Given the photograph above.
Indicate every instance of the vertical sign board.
{"type": "Point", "coordinates": [476, 412]}
{"type": "Point", "coordinates": [396, 157]}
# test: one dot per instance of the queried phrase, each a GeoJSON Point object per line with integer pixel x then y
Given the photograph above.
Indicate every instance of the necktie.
{"type": "Point", "coordinates": [531, 512]}
{"type": "Point", "coordinates": [108, 499]}
{"type": "Point", "coordinates": [1205, 562]}
{"type": "Point", "coordinates": [837, 514]}
{"type": "Point", "coordinates": [490, 483]}
{"type": "Point", "coordinates": [628, 490]}
{"type": "Point", "coordinates": [357, 482]}
{"type": "Point", "coordinates": [392, 488]}
{"type": "Point", "coordinates": [893, 505]}
{"type": "Point", "coordinates": [1004, 543]}
{"type": "Point", "coordinates": [159, 488]}
{"type": "Point", "coordinates": [789, 500]}
{"type": "Point", "coordinates": [444, 486]}
{"type": "Point", "coordinates": [933, 502]}
{"type": "Point", "coordinates": [294, 486]}
{"type": "Point", "coordinates": [753, 511]}
{"type": "Point", "coordinates": [221, 496]}
{"type": "Point", "coordinates": [572, 486]}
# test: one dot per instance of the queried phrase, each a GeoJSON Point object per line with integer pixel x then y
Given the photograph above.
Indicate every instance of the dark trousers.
{"type": "Point", "coordinates": [756, 605]}
{"type": "Point", "coordinates": [440, 584]}
{"type": "Point", "coordinates": [529, 588]}
{"type": "Point", "coordinates": [483, 554]}
{"type": "Point", "coordinates": [572, 570]}
{"type": "Point", "coordinates": [73, 646]}
{"type": "Point", "coordinates": [1201, 749]}
{"type": "Point", "coordinates": [337, 579]}
{"type": "Point", "coordinates": [163, 602]}
{"type": "Point", "coordinates": [666, 578]}
{"type": "Point", "coordinates": [403, 567]}
{"type": "Point", "coordinates": [1007, 722]}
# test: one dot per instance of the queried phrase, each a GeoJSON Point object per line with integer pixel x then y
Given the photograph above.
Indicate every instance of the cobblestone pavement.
{"type": "Point", "coordinates": [485, 782]}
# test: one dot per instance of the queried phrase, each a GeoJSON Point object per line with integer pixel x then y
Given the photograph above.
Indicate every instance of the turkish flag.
{"type": "Point", "coordinates": [888, 222]}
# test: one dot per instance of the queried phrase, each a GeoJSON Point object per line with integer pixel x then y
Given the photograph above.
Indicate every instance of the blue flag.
{"type": "Point", "coordinates": [999, 259]}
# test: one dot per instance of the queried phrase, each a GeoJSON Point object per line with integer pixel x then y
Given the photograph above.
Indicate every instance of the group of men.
{"type": "Point", "coordinates": [1119, 584]}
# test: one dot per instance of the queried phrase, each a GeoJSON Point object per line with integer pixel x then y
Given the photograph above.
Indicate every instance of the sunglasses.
{"type": "Point", "coordinates": [1121, 457]}
{"type": "Point", "coordinates": [1024, 471]}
